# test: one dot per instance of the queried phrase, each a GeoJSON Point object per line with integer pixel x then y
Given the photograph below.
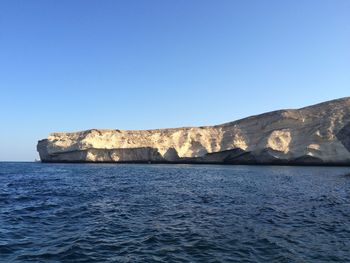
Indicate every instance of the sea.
{"type": "Point", "coordinates": [173, 213]}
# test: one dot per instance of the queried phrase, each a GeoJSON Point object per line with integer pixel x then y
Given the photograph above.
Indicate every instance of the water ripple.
{"type": "Point", "coordinates": [173, 213]}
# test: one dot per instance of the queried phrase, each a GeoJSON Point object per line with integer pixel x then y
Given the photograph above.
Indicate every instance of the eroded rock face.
{"type": "Point", "coordinates": [319, 134]}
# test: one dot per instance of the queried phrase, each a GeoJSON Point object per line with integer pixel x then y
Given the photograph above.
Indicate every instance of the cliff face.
{"type": "Point", "coordinates": [319, 134]}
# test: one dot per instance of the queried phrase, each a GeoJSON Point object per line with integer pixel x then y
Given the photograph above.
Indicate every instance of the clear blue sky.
{"type": "Point", "coordinates": [74, 65]}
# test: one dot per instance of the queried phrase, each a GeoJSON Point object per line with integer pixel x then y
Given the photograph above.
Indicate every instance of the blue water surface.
{"type": "Point", "coordinates": [173, 213]}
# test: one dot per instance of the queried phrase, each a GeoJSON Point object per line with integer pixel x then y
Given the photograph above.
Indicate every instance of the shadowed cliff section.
{"type": "Point", "coordinates": [344, 136]}
{"type": "Point", "coordinates": [314, 135]}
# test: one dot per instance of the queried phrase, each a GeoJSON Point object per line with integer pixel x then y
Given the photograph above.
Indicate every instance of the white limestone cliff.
{"type": "Point", "coordinates": [318, 134]}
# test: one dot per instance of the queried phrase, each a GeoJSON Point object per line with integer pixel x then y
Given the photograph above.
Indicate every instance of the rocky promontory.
{"type": "Point", "coordinates": [314, 135]}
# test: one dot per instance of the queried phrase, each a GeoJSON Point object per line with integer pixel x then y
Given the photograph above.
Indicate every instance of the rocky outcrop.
{"type": "Point", "coordinates": [318, 134]}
